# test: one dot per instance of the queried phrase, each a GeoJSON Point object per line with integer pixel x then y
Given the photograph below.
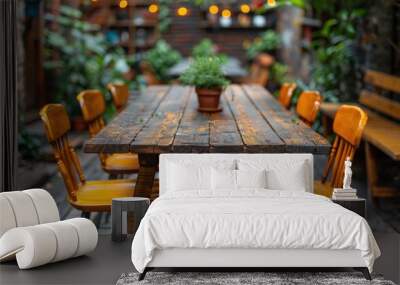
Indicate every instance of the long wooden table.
{"type": "Point", "coordinates": [165, 119]}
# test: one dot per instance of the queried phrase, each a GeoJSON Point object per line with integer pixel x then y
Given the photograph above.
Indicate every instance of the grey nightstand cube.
{"type": "Point", "coordinates": [358, 205]}
{"type": "Point", "coordinates": [126, 214]}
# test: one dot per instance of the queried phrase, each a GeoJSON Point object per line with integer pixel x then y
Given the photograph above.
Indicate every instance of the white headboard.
{"type": "Point", "coordinates": [212, 158]}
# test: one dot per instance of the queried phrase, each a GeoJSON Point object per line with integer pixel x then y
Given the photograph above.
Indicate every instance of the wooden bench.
{"type": "Point", "coordinates": [382, 132]}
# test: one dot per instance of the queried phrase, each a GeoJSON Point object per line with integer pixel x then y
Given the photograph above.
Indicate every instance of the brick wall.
{"type": "Point", "coordinates": [186, 32]}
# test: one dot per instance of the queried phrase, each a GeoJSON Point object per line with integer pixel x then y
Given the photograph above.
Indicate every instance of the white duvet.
{"type": "Point", "coordinates": [250, 219]}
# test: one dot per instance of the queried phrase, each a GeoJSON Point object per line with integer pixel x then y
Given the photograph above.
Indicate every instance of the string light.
{"type": "Point", "coordinates": [271, 3]}
{"type": "Point", "coordinates": [244, 8]}
{"type": "Point", "coordinates": [123, 4]}
{"type": "Point", "coordinates": [182, 11]}
{"type": "Point", "coordinates": [226, 13]}
{"type": "Point", "coordinates": [213, 9]}
{"type": "Point", "coordinates": [153, 8]}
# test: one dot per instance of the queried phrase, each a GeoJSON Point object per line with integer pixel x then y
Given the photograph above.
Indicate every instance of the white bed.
{"type": "Point", "coordinates": [202, 220]}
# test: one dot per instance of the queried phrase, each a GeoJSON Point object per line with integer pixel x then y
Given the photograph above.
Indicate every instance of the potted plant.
{"type": "Point", "coordinates": [159, 60]}
{"type": "Point", "coordinates": [204, 48]}
{"type": "Point", "coordinates": [269, 41]}
{"type": "Point", "coordinates": [206, 75]}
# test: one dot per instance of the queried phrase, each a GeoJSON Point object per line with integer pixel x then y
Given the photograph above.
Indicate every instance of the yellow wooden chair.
{"type": "Point", "coordinates": [286, 93]}
{"type": "Point", "coordinates": [88, 196]}
{"type": "Point", "coordinates": [348, 126]}
{"type": "Point", "coordinates": [120, 95]}
{"type": "Point", "coordinates": [93, 107]}
{"type": "Point", "coordinates": [308, 106]}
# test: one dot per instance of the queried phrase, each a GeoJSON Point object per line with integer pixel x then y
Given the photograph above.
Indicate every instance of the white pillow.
{"type": "Point", "coordinates": [227, 179]}
{"type": "Point", "coordinates": [188, 177]}
{"type": "Point", "coordinates": [292, 179]}
{"type": "Point", "coordinates": [223, 179]}
{"type": "Point", "coordinates": [251, 179]}
{"type": "Point", "coordinates": [281, 174]}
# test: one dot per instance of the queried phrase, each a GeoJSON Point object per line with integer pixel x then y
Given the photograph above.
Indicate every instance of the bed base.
{"type": "Point", "coordinates": [363, 270]}
{"type": "Point", "coordinates": [247, 259]}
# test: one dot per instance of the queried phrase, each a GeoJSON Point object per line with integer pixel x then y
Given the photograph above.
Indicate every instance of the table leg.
{"type": "Point", "coordinates": [148, 167]}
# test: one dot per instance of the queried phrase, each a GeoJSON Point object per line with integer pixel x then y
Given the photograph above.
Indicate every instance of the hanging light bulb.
{"type": "Point", "coordinates": [244, 8]}
{"type": "Point", "coordinates": [271, 3]}
{"type": "Point", "coordinates": [182, 11]}
{"type": "Point", "coordinates": [123, 4]}
{"type": "Point", "coordinates": [226, 13]}
{"type": "Point", "coordinates": [213, 9]}
{"type": "Point", "coordinates": [153, 8]}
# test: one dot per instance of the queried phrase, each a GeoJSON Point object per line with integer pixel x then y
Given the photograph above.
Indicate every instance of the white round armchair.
{"type": "Point", "coordinates": [31, 230]}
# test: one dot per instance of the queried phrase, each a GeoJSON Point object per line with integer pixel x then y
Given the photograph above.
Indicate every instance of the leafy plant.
{"type": "Point", "coordinates": [161, 58]}
{"type": "Point", "coordinates": [164, 15]}
{"type": "Point", "coordinates": [78, 57]}
{"type": "Point", "coordinates": [279, 73]}
{"type": "Point", "coordinates": [205, 72]}
{"type": "Point", "coordinates": [269, 41]}
{"type": "Point", "coordinates": [335, 70]}
{"type": "Point", "coordinates": [204, 49]}
{"type": "Point", "coordinates": [28, 144]}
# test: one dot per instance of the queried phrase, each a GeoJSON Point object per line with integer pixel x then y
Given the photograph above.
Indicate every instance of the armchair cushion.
{"type": "Point", "coordinates": [31, 232]}
{"type": "Point", "coordinates": [40, 244]}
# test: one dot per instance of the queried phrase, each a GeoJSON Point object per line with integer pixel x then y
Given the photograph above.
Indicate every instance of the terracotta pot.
{"type": "Point", "coordinates": [209, 99]}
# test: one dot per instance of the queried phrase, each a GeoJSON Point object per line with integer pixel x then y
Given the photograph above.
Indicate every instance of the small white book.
{"type": "Point", "coordinates": [344, 197]}
{"type": "Point", "coordinates": [341, 190]}
{"type": "Point", "coordinates": [345, 194]}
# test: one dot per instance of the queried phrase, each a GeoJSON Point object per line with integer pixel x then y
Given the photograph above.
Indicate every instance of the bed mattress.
{"type": "Point", "coordinates": [250, 219]}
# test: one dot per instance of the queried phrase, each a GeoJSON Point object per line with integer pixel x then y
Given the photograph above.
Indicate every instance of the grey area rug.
{"type": "Point", "coordinates": [269, 278]}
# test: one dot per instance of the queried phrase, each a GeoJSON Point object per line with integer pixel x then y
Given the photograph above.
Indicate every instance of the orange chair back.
{"type": "Point", "coordinates": [348, 125]}
{"type": "Point", "coordinates": [93, 107]}
{"type": "Point", "coordinates": [120, 95]}
{"type": "Point", "coordinates": [286, 93]}
{"type": "Point", "coordinates": [57, 125]}
{"type": "Point", "coordinates": [308, 106]}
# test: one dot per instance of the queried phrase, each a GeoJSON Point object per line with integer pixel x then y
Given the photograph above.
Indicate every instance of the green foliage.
{"type": "Point", "coordinates": [164, 15]}
{"type": "Point", "coordinates": [161, 58]}
{"type": "Point", "coordinates": [269, 41]}
{"type": "Point", "coordinates": [28, 144]}
{"type": "Point", "coordinates": [335, 70]}
{"type": "Point", "coordinates": [204, 49]}
{"type": "Point", "coordinates": [205, 72]}
{"type": "Point", "coordinates": [78, 57]}
{"type": "Point", "coordinates": [279, 72]}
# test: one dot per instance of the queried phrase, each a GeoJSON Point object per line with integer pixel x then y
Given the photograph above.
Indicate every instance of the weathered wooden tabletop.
{"type": "Point", "coordinates": [165, 119]}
